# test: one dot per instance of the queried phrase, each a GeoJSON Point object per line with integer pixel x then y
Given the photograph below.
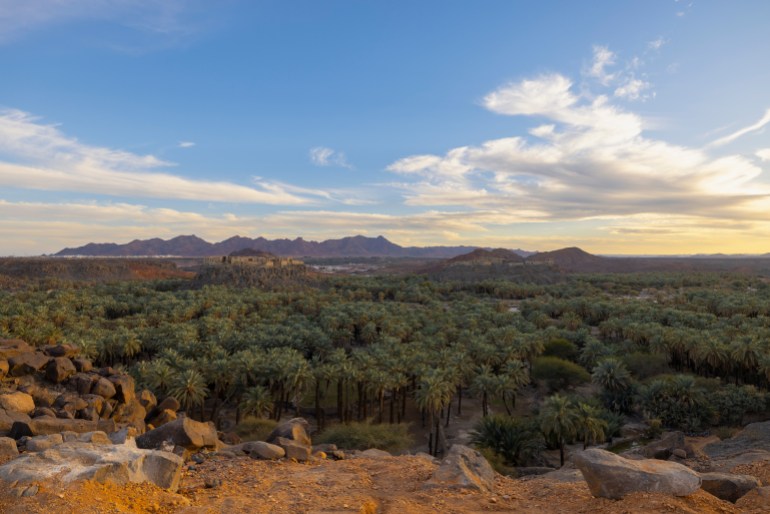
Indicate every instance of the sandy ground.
{"type": "Point", "coordinates": [361, 485]}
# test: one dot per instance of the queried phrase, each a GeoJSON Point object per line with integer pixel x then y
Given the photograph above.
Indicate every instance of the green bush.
{"type": "Point", "coordinates": [255, 429]}
{"type": "Point", "coordinates": [645, 365]}
{"type": "Point", "coordinates": [558, 373]}
{"type": "Point", "coordinates": [362, 436]}
{"type": "Point", "coordinates": [561, 348]}
{"type": "Point", "coordinates": [514, 440]}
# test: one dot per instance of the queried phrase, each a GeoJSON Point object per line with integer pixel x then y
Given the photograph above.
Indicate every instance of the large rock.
{"type": "Point", "coordinates": [46, 426]}
{"type": "Point", "coordinates": [8, 449]}
{"type": "Point", "coordinates": [727, 486]}
{"type": "Point", "coordinates": [184, 432]}
{"type": "Point", "coordinates": [753, 437]}
{"type": "Point", "coordinates": [41, 443]}
{"type": "Point", "coordinates": [148, 400]}
{"type": "Point", "coordinates": [125, 388]}
{"type": "Point", "coordinates": [13, 347]}
{"type": "Point", "coordinates": [263, 450]}
{"type": "Point", "coordinates": [104, 388]}
{"type": "Point", "coordinates": [27, 363]}
{"type": "Point", "coordinates": [611, 476]}
{"type": "Point", "coordinates": [3, 368]}
{"type": "Point", "coordinates": [664, 447]}
{"type": "Point", "coordinates": [294, 449]}
{"type": "Point", "coordinates": [169, 403]}
{"type": "Point", "coordinates": [166, 416]}
{"type": "Point", "coordinates": [7, 419]}
{"type": "Point", "coordinates": [463, 468]}
{"type": "Point", "coordinates": [61, 350]}
{"type": "Point", "coordinates": [118, 464]}
{"type": "Point", "coordinates": [131, 413]}
{"type": "Point", "coordinates": [17, 402]}
{"type": "Point", "coordinates": [755, 500]}
{"type": "Point", "coordinates": [294, 429]}
{"type": "Point", "coordinates": [59, 369]}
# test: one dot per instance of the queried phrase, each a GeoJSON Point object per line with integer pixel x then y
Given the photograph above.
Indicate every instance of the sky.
{"type": "Point", "coordinates": [621, 127]}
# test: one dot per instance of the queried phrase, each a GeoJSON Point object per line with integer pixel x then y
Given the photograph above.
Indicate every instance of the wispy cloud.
{"type": "Point", "coordinates": [38, 156]}
{"type": "Point", "coordinates": [759, 125]}
{"type": "Point", "coordinates": [327, 157]}
{"type": "Point", "coordinates": [657, 43]}
{"type": "Point", "coordinates": [186, 144]}
{"type": "Point", "coordinates": [603, 58]}
{"type": "Point", "coordinates": [162, 18]}
{"type": "Point", "coordinates": [763, 154]}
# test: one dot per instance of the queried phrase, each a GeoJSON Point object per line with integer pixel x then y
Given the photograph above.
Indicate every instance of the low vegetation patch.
{"type": "Point", "coordinates": [365, 435]}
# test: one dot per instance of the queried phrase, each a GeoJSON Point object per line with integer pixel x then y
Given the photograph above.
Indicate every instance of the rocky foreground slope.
{"type": "Point", "coordinates": [78, 439]}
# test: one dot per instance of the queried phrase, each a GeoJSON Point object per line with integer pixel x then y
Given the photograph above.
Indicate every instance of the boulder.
{"type": "Point", "coordinates": [70, 402]}
{"type": "Point", "coordinates": [754, 437]}
{"type": "Point", "coordinates": [727, 486]}
{"type": "Point", "coordinates": [123, 435]}
{"type": "Point", "coordinates": [131, 413]}
{"type": "Point", "coordinates": [679, 453]}
{"type": "Point", "coordinates": [294, 449]}
{"type": "Point", "coordinates": [664, 447]}
{"type": "Point", "coordinates": [463, 468]}
{"type": "Point", "coordinates": [165, 416]}
{"type": "Point", "coordinates": [7, 419]}
{"type": "Point", "coordinates": [97, 437]}
{"type": "Point", "coordinates": [184, 432]}
{"type": "Point", "coordinates": [104, 388]}
{"type": "Point", "coordinates": [27, 363]}
{"type": "Point", "coordinates": [263, 450]}
{"type": "Point", "coordinates": [41, 443]}
{"type": "Point", "coordinates": [3, 368]}
{"type": "Point", "coordinates": [46, 426]}
{"type": "Point", "coordinates": [8, 449]}
{"type": "Point", "coordinates": [294, 429]}
{"type": "Point", "coordinates": [82, 364]}
{"type": "Point", "coordinates": [148, 400]}
{"type": "Point", "coordinates": [125, 388]}
{"type": "Point", "coordinates": [43, 411]}
{"type": "Point", "coordinates": [611, 476]}
{"type": "Point", "coordinates": [83, 382]}
{"type": "Point", "coordinates": [59, 369]}
{"type": "Point", "coordinates": [13, 347]}
{"type": "Point", "coordinates": [61, 350]}
{"type": "Point", "coordinates": [119, 464]}
{"type": "Point", "coordinates": [169, 403]}
{"type": "Point", "coordinates": [17, 402]}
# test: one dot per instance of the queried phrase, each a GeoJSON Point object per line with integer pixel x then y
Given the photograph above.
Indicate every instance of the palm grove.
{"type": "Point", "coordinates": [679, 351]}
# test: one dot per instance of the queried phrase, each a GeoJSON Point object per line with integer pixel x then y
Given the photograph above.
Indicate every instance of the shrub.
{"type": "Point", "coordinates": [514, 440]}
{"type": "Point", "coordinates": [558, 373]}
{"type": "Point", "coordinates": [645, 365]}
{"type": "Point", "coordinates": [362, 436]}
{"type": "Point", "coordinates": [255, 429]}
{"type": "Point", "coordinates": [561, 348]}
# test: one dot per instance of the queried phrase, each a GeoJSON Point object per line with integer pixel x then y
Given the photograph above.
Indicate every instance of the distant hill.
{"type": "Point", "coordinates": [483, 256]}
{"type": "Point", "coordinates": [193, 246]}
{"type": "Point", "coordinates": [571, 259]}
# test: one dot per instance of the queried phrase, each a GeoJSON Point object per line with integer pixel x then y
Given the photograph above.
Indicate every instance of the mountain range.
{"type": "Point", "coordinates": [193, 246]}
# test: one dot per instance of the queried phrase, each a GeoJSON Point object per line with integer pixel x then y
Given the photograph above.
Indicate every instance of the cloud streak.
{"type": "Point", "coordinates": [742, 132]}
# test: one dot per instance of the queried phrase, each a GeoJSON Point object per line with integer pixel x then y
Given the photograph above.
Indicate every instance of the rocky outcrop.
{"type": "Point", "coordinates": [753, 437]}
{"type": "Point", "coordinates": [295, 429]}
{"type": "Point", "coordinates": [611, 476]}
{"type": "Point", "coordinates": [118, 464]}
{"type": "Point", "coordinates": [727, 486]}
{"type": "Point", "coordinates": [462, 468]}
{"type": "Point", "coordinates": [184, 432]}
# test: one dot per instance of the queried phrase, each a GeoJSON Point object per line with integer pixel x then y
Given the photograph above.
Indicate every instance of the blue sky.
{"type": "Point", "coordinates": [620, 127]}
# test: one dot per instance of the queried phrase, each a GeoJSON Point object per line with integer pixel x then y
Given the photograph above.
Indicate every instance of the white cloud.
{"type": "Point", "coordinates": [657, 43]}
{"type": "Point", "coordinates": [38, 156]}
{"type": "Point", "coordinates": [742, 132]}
{"type": "Point", "coordinates": [186, 144]}
{"type": "Point", "coordinates": [602, 59]}
{"type": "Point", "coordinates": [326, 157]}
{"type": "Point", "coordinates": [763, 154]}
{"type": "Point", "coordinates": [590, 159]}
{"type": "Point", "coordinates": [633, 89]}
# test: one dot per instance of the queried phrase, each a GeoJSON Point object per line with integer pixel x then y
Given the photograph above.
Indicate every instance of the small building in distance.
{"type": "Point", "coordinates": [256, 258]}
